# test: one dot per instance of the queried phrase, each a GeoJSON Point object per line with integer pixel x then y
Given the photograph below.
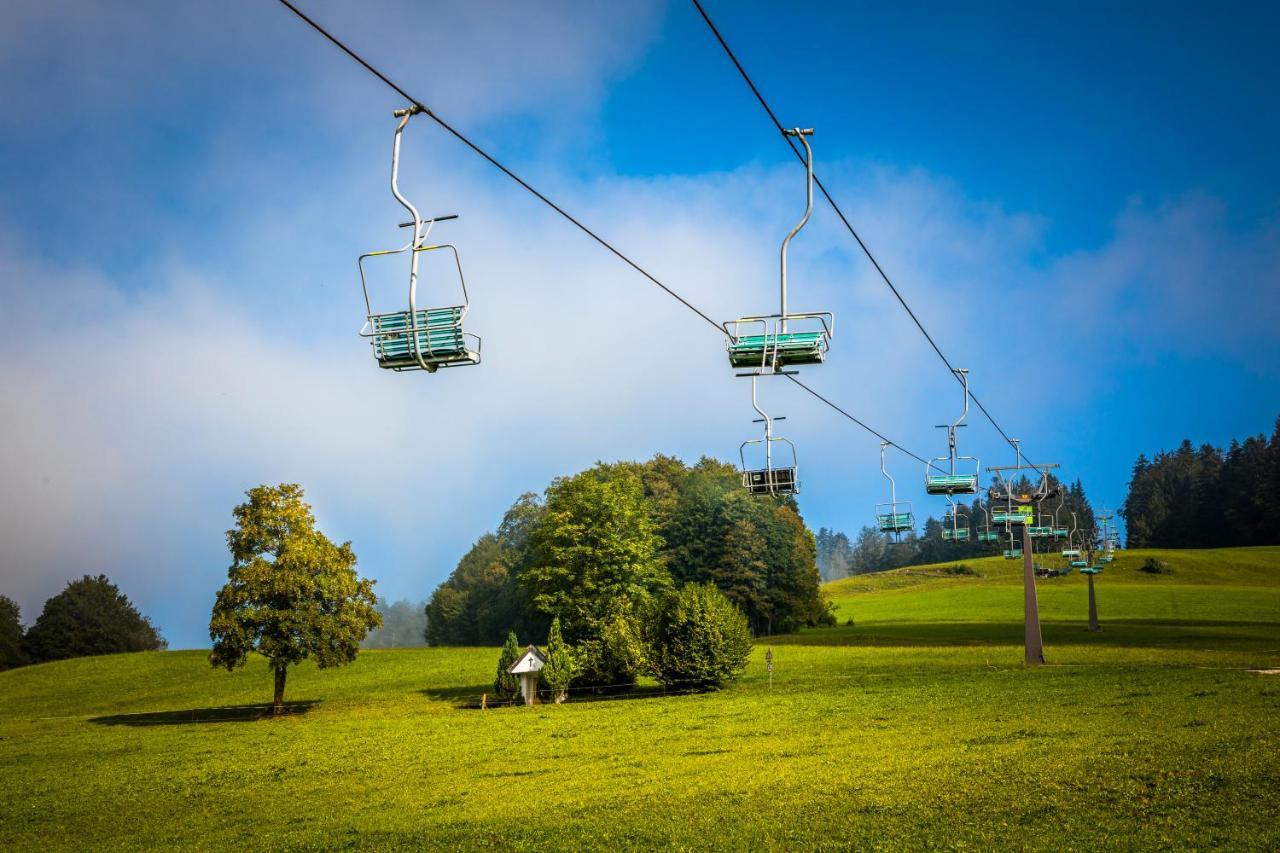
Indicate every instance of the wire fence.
{"type": "Point", "coordinates": [591, 693]}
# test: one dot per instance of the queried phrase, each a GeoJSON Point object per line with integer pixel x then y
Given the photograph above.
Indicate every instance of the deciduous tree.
{"type": "Point", "coordinates": [90, 617]}
{"type": "Point", "coordinates": [291, 593]}
{"type": "Point", "coordinates": [11, 653]}
{"type": "Point", "coordinates": [593, 544]}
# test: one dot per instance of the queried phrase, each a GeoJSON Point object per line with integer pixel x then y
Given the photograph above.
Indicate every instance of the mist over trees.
{"type": "Point", "coordinates": [1206, 497]}
{"type": "Point", "coordinates": [600, 549]}
{"type": "Point", "coordinates": [404, 626]}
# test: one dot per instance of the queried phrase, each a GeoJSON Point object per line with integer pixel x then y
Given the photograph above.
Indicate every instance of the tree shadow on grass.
{"type": "Point", "coordinates": [470, 697]}
{"type": "Point", "coordinates": [225, 714]}
{"type": "Point", "coordinates": [457, 694]}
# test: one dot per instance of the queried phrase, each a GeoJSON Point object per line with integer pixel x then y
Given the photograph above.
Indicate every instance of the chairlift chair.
{"type": "Point", "coordinates": [418, 338]}
{"type": "Point", "coordinates": [952, 530]}
{"type": "Point", "coordinates": [768, 343]}
{"type": "Point", "coordinates": [894, 517]}
{"type": "Point", "coordinates": [1073, 551]}
{"type": "Point", "coordinates": [771, 479]}
{"type": "Point", "coordinates": [1010, 514]}
{"type": "Point", "coordinates": [985, 533]}
{"type": "Point", "coordinates": [1042, 528]}
{"type": "Point", "coordinates": [951, 481]}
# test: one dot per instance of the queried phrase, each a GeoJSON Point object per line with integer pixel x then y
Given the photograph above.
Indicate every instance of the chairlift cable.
{"type": "Point", "coordinates": [422, 108]}
{"type": "Point", "coordinates": [425, 110]}
{"type": "Point", "coordinates": [840, 213]}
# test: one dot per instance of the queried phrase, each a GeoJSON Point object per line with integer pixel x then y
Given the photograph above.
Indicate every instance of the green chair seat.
{"type": "Point", "coordinates": [951, 484]}
{"type": "Point", "coordinates": [439, 338]}
{"type": "Point", "coordinates": [895, 523]}
{"type": "Point", "coordinates": [789, 348]}
{"type": "Point", "coordinates": [1008, 517]}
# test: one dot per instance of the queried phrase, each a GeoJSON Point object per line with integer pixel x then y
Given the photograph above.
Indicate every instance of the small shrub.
{"type": "Point", "coordinates": [701, 639]}
{"type": "Point", "coordinates": [561, 664]}
{"type": "Point", "coordinates": [506, 685]}
{"type": "Point", "coordinates": [1152, 566]}
{"type": "Point", "coordinates": [849, 622]}
{"type": "Point", "coordinates": [959, 569]}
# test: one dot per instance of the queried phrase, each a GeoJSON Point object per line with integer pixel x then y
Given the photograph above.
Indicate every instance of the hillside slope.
{"type": "Point", "coordinates": [1225, 599]}
{"type": "Point", "coordinates": [1155, 733]}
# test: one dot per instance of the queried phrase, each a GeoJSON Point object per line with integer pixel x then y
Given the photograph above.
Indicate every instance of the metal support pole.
{"type": "Point", "coordinates": [1033, 644]}
{"type": "Point", "coordinates": [1093, 609]}
{"type": "Point", "coordinates": [799, 133]}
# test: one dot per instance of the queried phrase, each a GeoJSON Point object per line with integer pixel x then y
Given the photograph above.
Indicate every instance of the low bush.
{"type": "Point", "coordinates": [1152, 566]}
{"type": "Point", "coordinates": [506, 685]}
{"type": "Point", "coordinates": [701, 639]}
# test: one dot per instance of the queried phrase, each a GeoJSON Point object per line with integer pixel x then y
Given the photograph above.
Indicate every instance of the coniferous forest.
{"type": "Point", "coordinates": [873, 551]}
{"type": "Point", "coordinates": [1206, 497]}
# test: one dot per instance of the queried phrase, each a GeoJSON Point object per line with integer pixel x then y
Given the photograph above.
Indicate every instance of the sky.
{"type": "Point", "coordinates": [1080, 201]}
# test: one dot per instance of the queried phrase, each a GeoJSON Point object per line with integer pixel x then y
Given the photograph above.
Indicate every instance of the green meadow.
{"type": "Point", "coordinates": [914, 726]}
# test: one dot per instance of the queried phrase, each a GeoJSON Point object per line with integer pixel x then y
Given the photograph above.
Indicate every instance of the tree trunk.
{"type": "Point", "coordinates": [277, 709]}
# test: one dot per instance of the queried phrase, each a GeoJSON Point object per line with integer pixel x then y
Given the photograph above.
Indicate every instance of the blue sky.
{"type": "Point", "coordinates": [1087, 194]}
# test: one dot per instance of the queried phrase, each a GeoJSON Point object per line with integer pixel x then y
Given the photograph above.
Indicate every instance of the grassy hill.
{"type": "Point", "coordinates": [1220, 600]}
{"type": "Point", "coordinates": [916, 726]}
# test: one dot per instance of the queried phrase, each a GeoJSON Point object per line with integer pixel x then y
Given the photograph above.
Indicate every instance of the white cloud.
{"type": "Point", "coordinates": [140, 416]}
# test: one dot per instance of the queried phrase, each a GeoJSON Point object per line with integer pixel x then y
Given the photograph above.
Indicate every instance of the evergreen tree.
{"type": "Point", "coordinates": [506, 685]}
{"type": "Point", "coordinates": [742, 573]}
{"type": "Point", "coordinates": [1202, 497]}
{"type": "Point", "coordinates": [561, 666]}
{"type": "Point", "coordinates": [870, 550]}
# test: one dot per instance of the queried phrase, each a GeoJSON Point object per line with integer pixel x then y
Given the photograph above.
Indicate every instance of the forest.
{"type": "Point", "coordinates": [1206, 497]}
{"type": "Point", "coordinates": [873, 551]}
{"type": "Point", "coordinates": [610, 540]}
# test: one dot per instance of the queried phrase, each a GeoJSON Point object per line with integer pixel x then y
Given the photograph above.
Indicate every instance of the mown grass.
{"type": "Point", "coordinates": [1153, 734]}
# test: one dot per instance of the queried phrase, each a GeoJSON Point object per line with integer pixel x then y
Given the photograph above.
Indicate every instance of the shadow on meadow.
{"type": "Point", "coordinates": [226, 714]}
{"type": "Point", "coordinates": [469, 697]}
